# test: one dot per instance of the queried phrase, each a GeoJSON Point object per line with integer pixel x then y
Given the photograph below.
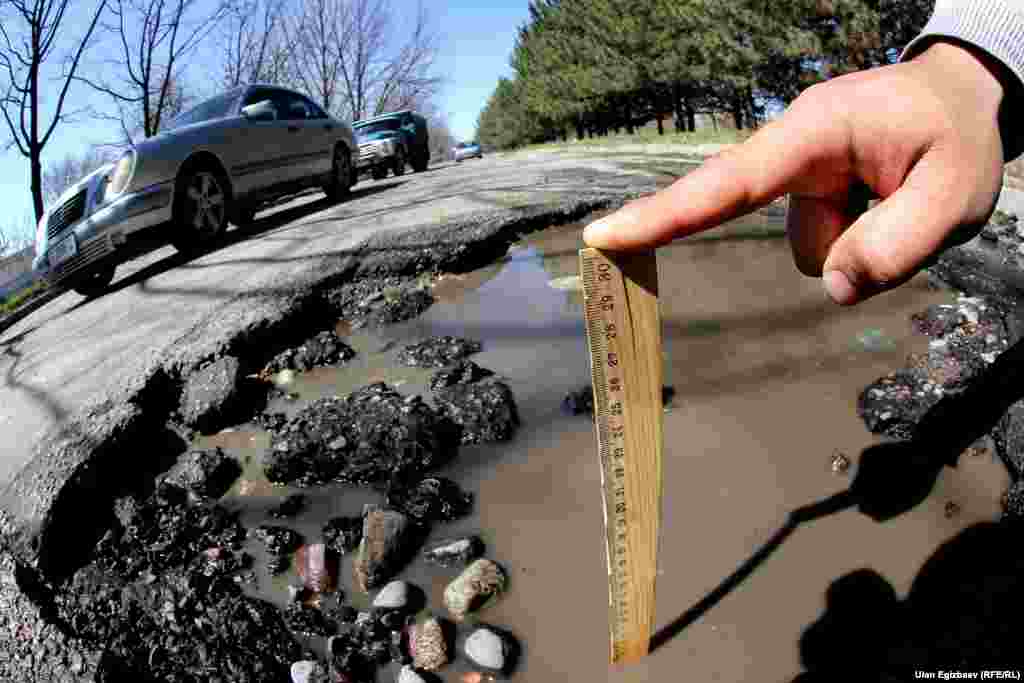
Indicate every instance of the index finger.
{"type": "Point", "coordinates": [742, 179]}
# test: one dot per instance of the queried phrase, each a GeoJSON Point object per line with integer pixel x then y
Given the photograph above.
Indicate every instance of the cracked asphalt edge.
{"type": "Point", "coordinates": [115, 440]}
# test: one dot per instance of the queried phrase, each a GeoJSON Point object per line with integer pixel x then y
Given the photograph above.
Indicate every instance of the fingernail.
{"type": "Point", "coordinates": [838, 287]}
{"type": "Point", "coordinates": [597, 232]}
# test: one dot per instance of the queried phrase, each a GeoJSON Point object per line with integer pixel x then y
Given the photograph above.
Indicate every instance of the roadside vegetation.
{"type": "Point", "coordinates": [16, 300]}
{"type": "Point", "coordinates": [592, 68]}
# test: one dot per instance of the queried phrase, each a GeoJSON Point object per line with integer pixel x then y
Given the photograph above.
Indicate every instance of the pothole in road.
{"type": "Point", "coordinates": [765, 377]}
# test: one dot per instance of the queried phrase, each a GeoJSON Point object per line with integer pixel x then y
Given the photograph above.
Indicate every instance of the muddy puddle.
{"type": "Point", "coordinates": [766, 375]}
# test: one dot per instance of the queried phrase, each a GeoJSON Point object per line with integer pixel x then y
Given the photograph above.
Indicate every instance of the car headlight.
{"type": "Point", "coordinates": [121, 175]}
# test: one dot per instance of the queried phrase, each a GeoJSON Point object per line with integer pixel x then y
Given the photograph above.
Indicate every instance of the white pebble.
{"type": "Point", "coordinates": [409, 675]}
{"type": "Point", "coordinates": [486, 648]}
{"type": "Point", "coordinates": [394, 595]}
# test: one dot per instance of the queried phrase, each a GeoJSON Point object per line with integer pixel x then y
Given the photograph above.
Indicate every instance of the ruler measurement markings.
{"type": "Point", "coordinates": [616, 351]}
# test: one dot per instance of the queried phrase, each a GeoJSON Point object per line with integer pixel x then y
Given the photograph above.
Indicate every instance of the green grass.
{"type": "Point", "coordinates": [649, 135]}
{"type": "Point", "coordinates": [13, 302]}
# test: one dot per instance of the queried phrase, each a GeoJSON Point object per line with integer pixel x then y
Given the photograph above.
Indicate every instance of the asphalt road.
{"type": "Point", "coordinates": [73, 350]}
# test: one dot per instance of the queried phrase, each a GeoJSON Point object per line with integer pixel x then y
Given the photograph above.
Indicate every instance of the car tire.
{"type": "Point", "coordinates": [96, 283]}
{"type": "Point", "coordinates": [341, 175]}
{"type": "Point", "coordinates": [421, 163]}
{"type": "Point", "coordinates": [201, 209]}
{"type": "Point", "coordinates": [245, 216]}
{"type": "Point", "coordinates": [379, 172]}
{"type": "Point", "coordinates": [399, 164]}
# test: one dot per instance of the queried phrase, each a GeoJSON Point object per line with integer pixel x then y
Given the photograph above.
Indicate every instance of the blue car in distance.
{"type": "Point", "coordinates": [468, 150]}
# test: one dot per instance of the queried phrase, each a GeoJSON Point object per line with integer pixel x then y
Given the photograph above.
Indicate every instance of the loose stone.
{"type": "Point", "coordinates": [388, 541]}
{"type": "Point", "coordinates": [454, 552]}
{"type": "Point", "coordinates": [438, 352]}
{"type": "Point", "coordinates": [429, 646]}
{"type": "Point", "coordinates": [308, 671]}
{"type": "Point", "coordinates": [317, 567]}
{"type": "Point", "coordinates": [489, 649]}
{"type": "Point", "coordinates": [394, 595]}
{"type": "Point", "coordinates": [408, 675]}
{"type": "Point", "coordinates": [343, 534]}
{"type": "Point", "coordinates": [474, 586]}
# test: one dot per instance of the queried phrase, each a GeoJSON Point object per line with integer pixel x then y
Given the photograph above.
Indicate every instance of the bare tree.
{"type": "Point", "coordinates": [154, 36]}
{"type": "Point", "coordinates": [17, 234]}
{"type": "Point", "coordinates": [403, 78]}
{"type": "Point", "coordinates": [314, 34]}
{"type": "Point", "coordinates": [60, 174]}
{"type": "Point", "coordinates": [29, 33]}
{"type": "Point", "coordinates": [349, 55]}
{"type": "Point", "coordinates": [254, 45]}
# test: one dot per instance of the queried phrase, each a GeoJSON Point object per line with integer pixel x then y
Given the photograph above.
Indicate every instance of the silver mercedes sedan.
{"type": "Point", "coordinates": [218, 162]}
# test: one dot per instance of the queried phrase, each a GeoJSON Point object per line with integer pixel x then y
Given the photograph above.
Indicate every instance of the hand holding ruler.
{"type": "Point", "coordinates": [624, 339]}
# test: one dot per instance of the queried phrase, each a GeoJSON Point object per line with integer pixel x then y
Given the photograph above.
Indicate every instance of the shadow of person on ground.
{"type": "Point", "coordinates": [965, 606]}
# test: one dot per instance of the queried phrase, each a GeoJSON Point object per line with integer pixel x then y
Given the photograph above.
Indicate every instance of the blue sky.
{"type": "Point", "coordinates": [476, 38]}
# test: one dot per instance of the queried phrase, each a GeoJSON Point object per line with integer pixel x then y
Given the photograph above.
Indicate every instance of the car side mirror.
{"type": "Point", "coordinates": [263, 110]}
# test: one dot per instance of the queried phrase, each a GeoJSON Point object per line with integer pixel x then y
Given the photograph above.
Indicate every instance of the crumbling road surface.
{"type": "Point", "coordinates": [73, 350]}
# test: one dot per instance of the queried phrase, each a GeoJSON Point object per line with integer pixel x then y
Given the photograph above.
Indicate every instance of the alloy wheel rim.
{"type": "Point", "coordinates": [207, 203]}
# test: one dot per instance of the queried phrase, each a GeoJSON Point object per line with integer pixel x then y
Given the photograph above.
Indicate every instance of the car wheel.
{"type": "Point", "coordinates": [96, 283]}
{"type": "Point", "coordinates": [201, 215]}
{"type": "Point", "coordinates": [379, 172]}
{"type": "Point", "coordinates": [341, 175]}
{"type": "Point", "coordinates": [421, 163]}
{"type": "Point", "coordinates": [399, 167]}
{"type": "Point", "coordinates": [244, 216]}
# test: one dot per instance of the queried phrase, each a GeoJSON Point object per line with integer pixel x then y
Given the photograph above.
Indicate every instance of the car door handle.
{"type": "Point", "coordinates": [293, 129]}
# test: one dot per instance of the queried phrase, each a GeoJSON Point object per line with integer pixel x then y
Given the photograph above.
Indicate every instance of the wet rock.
{"type": "Point", "coordinates": [464, 372]}
{"type": "Point", "coordinates": [308, 671]}
{"type": "Point", "coordinates": [1013, 502]}
{"type": "Point", "coordinates": [438, 352]}
{"type": "Point", "coordinates": [581, 401]}
{"type": "Point", "coordinates": [375, 434]}
{"type": "Point", "coordinates": [308, 621]}
{"type": "Point", "coordinates": [205, 473]}
{"type": "Point", "coordinates": [318, 567]}
{"type": "Point", "coordinates": [289, 507]}
{"type": "Point", "coordinates": [167, 531]}
{"type": "Point", "coordinates": [212, 395]}
{"type": "Point", "coordinates": [434, 499]}
{"type": "Point", "coordinates": [490, 649]}
{"type": "Point", "coordinates": [428, 645]}
{"type": "Point", "coordinates": [281, 542]}
{"type": "Point", "coordinates": [346, 660]}
{"type": "Point", "coordinates": [456, 552]}
{"type": "Point", "coordinates": [894, 404]}
{"type": "Point", "coordinates": [1009, 439]}
{"type": "Point", "coordinates": [938, 320]}
{"type": "Point", "coordinates": [484, 412]}
{"type": "Point", "coordinates": [271, 421]}
{"type": "Point", "coordinates": [179, 626]}
{"type": "Point", "coordinates": [326, 348]}
{"type": "Point", "coordinates": [373, 302]}
{"type": "Point", "coordinates": [394, 595]}
{"type": "Point", "coordinates": [389, 539]}
{"type": "Point", "coordinates": [473, 587]}
{"type": "Point", "coordinates": [407, 674]}
{"type": "Point", "coordinates": [343, 534]}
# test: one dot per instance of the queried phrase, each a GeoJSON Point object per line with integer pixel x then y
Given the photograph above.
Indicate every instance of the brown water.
{"type": "Point", "coordinates": [766, 373]}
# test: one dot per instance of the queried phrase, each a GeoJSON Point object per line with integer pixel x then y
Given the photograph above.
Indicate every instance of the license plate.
{"type": "Point", "coordinates": [63, 250]}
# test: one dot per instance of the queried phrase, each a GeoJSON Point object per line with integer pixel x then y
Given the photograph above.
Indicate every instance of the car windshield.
{"type": "Point", "coordinates": [214, 108]}
{"type": "Point", "coordinates": [378, 127]}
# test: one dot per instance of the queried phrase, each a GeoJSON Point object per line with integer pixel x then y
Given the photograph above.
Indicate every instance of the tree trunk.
{"type": "Point", "coordinates": [737, 113]}
{"type": "Point", "coordinates": [37, 181]}
{"type": "Point", "coordinates": [691, 119]}
{"type": "Point", "coordinates": [677, 107]}
{"type": "Point", "coordinates": [579, 127]}
{"type": "Point", "coordinates": [627, 113]}
{"type": "Point", "coordinates": [661, 127]}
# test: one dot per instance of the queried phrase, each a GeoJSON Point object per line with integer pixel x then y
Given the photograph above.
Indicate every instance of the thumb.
{"type": "Point", "coordinates": [889, 244]}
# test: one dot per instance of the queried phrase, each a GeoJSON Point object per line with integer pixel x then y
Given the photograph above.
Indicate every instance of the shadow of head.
{"type": "Point", "coordinates": [963, 612]}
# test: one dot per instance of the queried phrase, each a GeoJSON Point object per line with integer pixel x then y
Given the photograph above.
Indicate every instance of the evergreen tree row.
{"type": "Point", "coordinates": [585, 67]}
